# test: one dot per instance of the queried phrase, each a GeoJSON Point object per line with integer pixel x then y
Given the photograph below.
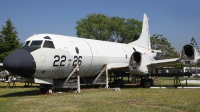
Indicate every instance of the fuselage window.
{"type": "Point", "coordinates": [36, 43]}
{"type": "Point", "coordinates": [26, 43]}
{"type": "Point", "coordinates": [48, 44]}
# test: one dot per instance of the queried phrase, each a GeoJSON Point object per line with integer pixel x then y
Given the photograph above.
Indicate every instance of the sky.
{"type": "Point", "coordinates": [176, 20]}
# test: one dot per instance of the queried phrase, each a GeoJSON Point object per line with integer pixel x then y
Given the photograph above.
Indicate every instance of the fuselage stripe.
{"type": "Point", "coordinates": [92, 56]}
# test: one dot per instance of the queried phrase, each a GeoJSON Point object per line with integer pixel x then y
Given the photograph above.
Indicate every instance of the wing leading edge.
{"type": "Point", "coordinates": [164, 62]}
{"type": "Point", "coordinates": [157, 63]}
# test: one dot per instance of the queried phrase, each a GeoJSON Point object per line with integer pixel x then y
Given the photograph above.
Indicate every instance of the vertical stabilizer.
{"type": "Point", "coordinates": [144, 39]}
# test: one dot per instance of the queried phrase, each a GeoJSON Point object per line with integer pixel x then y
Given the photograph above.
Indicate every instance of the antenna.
{"type": "Point", "coordinates": [194, 44]}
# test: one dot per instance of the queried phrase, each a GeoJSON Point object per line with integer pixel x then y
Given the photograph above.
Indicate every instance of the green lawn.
{"type": "Point", "coordinates": [21, 99]}
{"type": "Point", "coordinates": [169, 81]}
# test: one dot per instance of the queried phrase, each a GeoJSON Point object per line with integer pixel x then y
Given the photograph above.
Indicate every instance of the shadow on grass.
{"type": "Point", "coordinates": [19, 87]}
{"type": "Point", "coordinates": [36, 91]}
{"type": "Point", "coordinates": [23, 93]}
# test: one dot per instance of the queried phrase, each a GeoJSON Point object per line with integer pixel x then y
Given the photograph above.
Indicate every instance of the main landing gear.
{"type": "Point", "coordinates": [46, 89]}
{"type": "Point", "coordinates": [146, 82]}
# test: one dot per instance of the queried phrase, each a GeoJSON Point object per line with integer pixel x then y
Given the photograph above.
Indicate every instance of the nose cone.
{"type": "Point", "coordinates": [20, 62]}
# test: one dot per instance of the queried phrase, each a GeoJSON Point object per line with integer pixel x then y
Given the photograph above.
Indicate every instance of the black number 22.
{"type": "Point", "coordinates": [57, 59]}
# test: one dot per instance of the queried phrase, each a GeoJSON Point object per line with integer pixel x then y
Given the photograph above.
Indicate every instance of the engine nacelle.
{"type": "Point", "coordinates": [189, 55]}
{"type": "Point", "coordinates": [138, 64]}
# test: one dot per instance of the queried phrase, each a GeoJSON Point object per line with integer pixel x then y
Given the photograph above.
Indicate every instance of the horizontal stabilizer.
{"type": "Point", "coordinates": [157, 51]}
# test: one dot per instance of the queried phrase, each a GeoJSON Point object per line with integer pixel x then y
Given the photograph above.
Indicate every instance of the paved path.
{"type": "Point", "coordinates": [191, 81]}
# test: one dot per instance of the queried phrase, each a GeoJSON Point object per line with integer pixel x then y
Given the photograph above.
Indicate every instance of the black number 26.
{"type": "Point", "coordinates": [77, 60]}
{"type": "Point", "coordinates": [57, 60]}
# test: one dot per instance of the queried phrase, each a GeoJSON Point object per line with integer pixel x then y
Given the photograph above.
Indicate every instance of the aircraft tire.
{"type": "Point", "coordinates": [146, 85]}
{"type": "Point", "coordinates": [151, 82]}
{"type": "Point", "coordinates": [46, 89]}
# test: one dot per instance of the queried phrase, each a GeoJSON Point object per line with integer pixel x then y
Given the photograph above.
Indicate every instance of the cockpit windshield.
{"type": "Point", "coordinates": [26, 43]}
{"type": "Point", "coordinates": [36, 43]}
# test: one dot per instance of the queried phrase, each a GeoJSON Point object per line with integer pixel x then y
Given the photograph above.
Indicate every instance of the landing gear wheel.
{"type": "Point", "coordinates": [146, 83]}
{"type": "Point", "coordinates": [151, 82]}
{"type": "Point", "coordinates": [46, 89]}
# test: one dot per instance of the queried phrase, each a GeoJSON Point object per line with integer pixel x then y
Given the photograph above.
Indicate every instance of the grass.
{"type": "Point", "coordinates": [169, 81]}
{"type": "Point", "coordinates": [21, 99]}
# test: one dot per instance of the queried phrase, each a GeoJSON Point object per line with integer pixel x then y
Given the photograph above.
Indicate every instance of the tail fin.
{"type": "Point", "coordinates": [144, 39]}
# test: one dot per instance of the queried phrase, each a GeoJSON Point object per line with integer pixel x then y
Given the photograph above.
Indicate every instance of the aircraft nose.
{"type": "Point", "coordinates": [20, 62]}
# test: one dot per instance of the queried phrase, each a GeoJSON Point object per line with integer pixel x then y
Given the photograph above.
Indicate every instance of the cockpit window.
{"type": "Point", "coordinates": [48, 44]}
{"type": "Point", "coordinates": [26, 43]}
{"type": "Point", "coordinates": [36, 43]}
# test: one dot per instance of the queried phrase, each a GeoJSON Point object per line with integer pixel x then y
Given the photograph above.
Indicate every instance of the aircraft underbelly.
{"type": "Point", "coordinates": [98, 64]}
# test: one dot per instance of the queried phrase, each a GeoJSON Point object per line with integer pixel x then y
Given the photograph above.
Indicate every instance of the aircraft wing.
{"type": "Point", "coordinates": [164, 62]}
{"type": "Point", "coordinates": [1, 64]}
{"type": "Point", "coordinates": [156, 63]}
{"type": "Point", "coordinates": [118, 66]}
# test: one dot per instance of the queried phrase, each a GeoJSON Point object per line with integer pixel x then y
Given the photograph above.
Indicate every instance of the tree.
{"type": "Point", "coordinates": [9, 40]}
{"type": "Point", "coordinates": [102, 27]}
{"type": "Point", "coordinates": [158, 42]}
{"type": "Point", "coordinates": [95, 26]}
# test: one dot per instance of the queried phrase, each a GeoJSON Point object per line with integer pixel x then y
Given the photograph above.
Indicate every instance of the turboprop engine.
{"type": "Point", "coordinates": [189, 54]}
{"type": "Point", "coordinates": [138, 63]}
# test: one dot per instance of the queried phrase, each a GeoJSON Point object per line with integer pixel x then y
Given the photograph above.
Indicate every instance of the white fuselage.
{"type": "Point", "coordinates": [91, 55]}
